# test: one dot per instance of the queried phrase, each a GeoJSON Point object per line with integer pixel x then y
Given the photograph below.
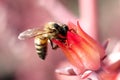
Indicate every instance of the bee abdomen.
{"type": "Point", "coordinates": [41, 51]}
{"type": "Point", "coordinates": [41, 46]}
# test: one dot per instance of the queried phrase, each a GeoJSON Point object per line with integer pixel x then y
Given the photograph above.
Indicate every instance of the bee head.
{"type": "Point", "coordinates": [62, 29]}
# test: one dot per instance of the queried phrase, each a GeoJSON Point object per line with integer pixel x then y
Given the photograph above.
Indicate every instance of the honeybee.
{"type": "Point", "coordinates": [51, 31]}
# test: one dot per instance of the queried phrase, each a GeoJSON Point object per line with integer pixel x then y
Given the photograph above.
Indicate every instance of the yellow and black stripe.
{"type": "Point", "coordinates": [41, 46]}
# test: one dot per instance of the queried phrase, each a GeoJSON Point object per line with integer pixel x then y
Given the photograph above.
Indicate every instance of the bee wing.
{"type": "Point", "coordinates": [31, 33]}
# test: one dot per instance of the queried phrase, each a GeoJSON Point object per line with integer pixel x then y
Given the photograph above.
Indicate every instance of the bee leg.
{"type": "Point", "coordinates": [53, 47]}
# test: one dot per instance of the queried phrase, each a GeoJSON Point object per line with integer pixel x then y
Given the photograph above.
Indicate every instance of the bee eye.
{"type": "Point", "coordinates": [56, 26]}
{"type": "Point", "coordinates": [65, 27]}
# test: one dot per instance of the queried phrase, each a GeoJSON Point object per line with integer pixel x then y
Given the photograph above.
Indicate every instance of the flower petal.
{"type": "Point", "coordinates": [71, 56]}
{"type": "Point", "coordinates": [90, 40]}
{"type": "Point", "coordinates": [89, 57]}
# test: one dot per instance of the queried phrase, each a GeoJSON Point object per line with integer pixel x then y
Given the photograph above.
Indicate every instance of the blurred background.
{"type": "Point", "coordinates": [18, 59]}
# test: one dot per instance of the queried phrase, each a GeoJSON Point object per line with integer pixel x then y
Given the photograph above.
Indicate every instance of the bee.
{"type": "Point", "coordinates": [51, 31]}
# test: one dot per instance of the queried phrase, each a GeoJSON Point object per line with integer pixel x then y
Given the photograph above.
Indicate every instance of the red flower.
{"type": "Point", "coordinates": [81, 50]}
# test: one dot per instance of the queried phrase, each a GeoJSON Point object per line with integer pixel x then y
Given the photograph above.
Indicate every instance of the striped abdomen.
{"type": "Point", "coordinates": [41, 46]}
